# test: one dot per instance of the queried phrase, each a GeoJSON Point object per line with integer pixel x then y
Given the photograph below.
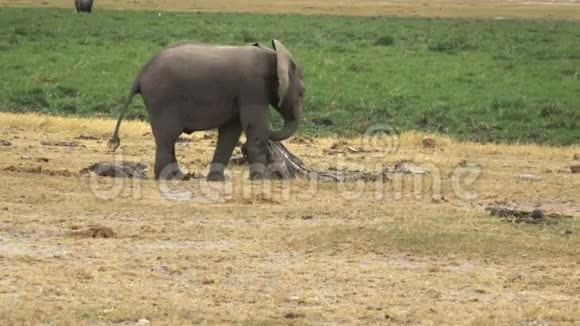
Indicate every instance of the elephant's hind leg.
{"type": "Point", "coordinates": [166, 134]}
{"type": "Point", "coordinates": [228, 138]}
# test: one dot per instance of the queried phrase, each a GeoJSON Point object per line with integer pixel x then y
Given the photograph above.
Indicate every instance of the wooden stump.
{"type": "Point", "coordinates": [283, 164]}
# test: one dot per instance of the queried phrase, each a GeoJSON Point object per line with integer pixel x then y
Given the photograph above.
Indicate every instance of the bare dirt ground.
{"type": "Point", "coordinates": [295, 253]}
{"type": "Point", "coordinates": [544, 9]}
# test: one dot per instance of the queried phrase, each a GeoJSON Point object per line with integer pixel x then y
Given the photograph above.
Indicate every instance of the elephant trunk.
{"type": "Point", "coordinates": [288, 129]}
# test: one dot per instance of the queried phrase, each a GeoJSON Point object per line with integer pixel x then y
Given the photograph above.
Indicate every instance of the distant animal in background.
{"type": "Point", "coordinates": [84, 5]}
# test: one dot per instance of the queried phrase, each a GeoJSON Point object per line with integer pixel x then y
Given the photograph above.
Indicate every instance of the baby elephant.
{"type": "Point", "coordinates": [84, 5]}
{"type": "Point", "coordinates": [191, 87]}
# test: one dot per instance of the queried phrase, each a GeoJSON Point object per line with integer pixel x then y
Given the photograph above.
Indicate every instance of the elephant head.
{"type": "Point", "coordinates": [290, 92]}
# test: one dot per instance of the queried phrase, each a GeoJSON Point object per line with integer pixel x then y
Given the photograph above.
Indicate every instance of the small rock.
{"type": "Point", "coordinates": [428, 143]}
{"type": "Point", "coordinates": [408, 168]}
{"type": "Point", "coordinates": [86, 137]}
{"type": "Point", "coordinates": [143, 321]}
{"type": "Point", "coordinates": [208, 281]}
{"type": "Point", "coordinates": [183, 140]}
{"type": "Point", "coordinates": [294, 315]}
{"type": "Point", "coordinates": [194, 175]}
{"type": "Point", "coordinates": [529, 177]}
{"type": "Point", "coordinates": [439, 199]}
{"type": "Point", "coordinates": [5, 143]}
{"type": "Point", "coordinates": [294, 298]}
{"type": "Point", "coordinates": [307, 217]}
{"type": "Point", "coordinates": [575, 169]}
{"type": "Point", "coordinates": [238, 160]}
{"type": "Point", "coordinates": [537, 214]}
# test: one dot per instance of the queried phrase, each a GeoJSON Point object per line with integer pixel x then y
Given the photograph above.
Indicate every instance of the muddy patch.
{"type": "Point", "coordinates": [62, 144]}
{"type": "Point", "coordinates": [294, 315]}
{"type": "Point", "coordinates": [40, 170]}
{"type": "Point", "coordinates": [86, 137]}
{"type": "Point", "coordinates": [260, 199]}
{"type": "Point", "coordinates": [94, 231]}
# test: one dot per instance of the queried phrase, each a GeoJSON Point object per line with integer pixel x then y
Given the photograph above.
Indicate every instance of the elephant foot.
{"type": "Point", "coordinates": [257, 175]}
{"type": "Point", "coordinates": [215, 176]}
{"type": "Point", "coordinates": [171, 174]}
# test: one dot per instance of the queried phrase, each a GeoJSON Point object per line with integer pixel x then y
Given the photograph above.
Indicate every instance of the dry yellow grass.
{"type": "Point", "coordinates": [311, 256]}
{"type": "Point", "coordinates": [550, 9]}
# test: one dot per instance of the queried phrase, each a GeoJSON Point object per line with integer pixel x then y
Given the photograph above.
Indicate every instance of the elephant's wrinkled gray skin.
{"type": "Point", "coordinates": [84, 5]}
{"type": "Point", "coordinates": [191, 87]}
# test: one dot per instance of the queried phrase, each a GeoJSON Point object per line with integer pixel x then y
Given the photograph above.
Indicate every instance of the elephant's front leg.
{"type": "Point", "coordinates": [257, 129]}
{"type": "Point", "coordinates": [228, 138]}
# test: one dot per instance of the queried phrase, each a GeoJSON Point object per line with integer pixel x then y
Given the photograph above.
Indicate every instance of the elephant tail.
{"type": "Point", "coordinates": [115, 140]}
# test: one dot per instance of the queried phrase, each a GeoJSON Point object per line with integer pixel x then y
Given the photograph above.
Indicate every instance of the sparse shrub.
{"type": "Point", "coordinates": [385, 41]}
{"type": "Point", "coordinates": [248, 36]}
{"type": "Point", "coordinates": [438, 118]}
{"type": "Point", "coordinates": [31, 99]}
{"type": "Point", "coordinates": [161, 40]}
{"type": "Point", "coordinates": [323, 121]}
{"type": "Point", "coordinates": [21, 31]}
{"type": "Point", "coordinates": [13, 39]}
{"type": "Point", "coordinates": [355, 67]}
{"type": "Point", "coordinates": [337, 48]}
{"type": "Point", "coordinates": [69, 108]}
{"type": "Point", "coordinates": [452, 45]}
{"type": "Point", "coordinates": [61, 91]}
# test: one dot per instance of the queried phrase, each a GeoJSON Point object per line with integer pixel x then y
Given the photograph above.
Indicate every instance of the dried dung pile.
{"type": "Point", "coordinates": [120, 169]}
{"type": "Point", "coordinates": [536, 216]}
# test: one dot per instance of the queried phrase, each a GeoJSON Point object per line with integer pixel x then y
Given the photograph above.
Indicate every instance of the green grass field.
{"type": "Point", "coordinates": [499, 81]}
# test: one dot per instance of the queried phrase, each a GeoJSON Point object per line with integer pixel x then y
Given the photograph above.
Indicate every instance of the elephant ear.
{"type": "Point", "coordinates": [285, 64]}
